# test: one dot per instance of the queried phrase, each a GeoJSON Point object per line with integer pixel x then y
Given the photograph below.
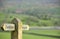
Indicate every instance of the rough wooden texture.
{"type": "Point", "coordinates": [17, 34]}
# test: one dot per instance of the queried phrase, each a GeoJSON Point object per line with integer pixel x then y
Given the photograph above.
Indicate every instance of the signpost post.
{"type": "Point", "coordinates": [17, 34]}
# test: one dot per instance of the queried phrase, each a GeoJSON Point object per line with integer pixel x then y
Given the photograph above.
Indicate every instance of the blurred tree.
{"type": "Point", "coordinates": [1, 3]}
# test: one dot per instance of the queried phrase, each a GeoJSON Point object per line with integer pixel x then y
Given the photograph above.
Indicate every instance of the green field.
{"type": "Point", "coordinates": [35, 34]}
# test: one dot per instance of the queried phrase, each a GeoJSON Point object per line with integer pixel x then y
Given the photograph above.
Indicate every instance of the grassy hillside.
{"type": "Point", "coordinates": [29, 19]}
{"type": "Point", "coordinates": [36, 34]}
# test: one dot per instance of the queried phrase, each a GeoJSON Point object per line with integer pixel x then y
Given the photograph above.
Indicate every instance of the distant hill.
{"type": "Point", "coordinates": [28, 3]}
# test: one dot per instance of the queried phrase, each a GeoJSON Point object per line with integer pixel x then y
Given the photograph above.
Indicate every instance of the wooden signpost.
{"type": "Point", "coordinates": [16, 28]}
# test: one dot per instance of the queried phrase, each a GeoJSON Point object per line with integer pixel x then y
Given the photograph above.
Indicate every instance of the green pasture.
{"type": "Point", "coordinates": [35, 34]}
{"type": "Point", "coordinates": [27, 19]}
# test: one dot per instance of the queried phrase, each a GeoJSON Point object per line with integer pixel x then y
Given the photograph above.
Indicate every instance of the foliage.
{"type": "Point", "coordinates": [30, 20]}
